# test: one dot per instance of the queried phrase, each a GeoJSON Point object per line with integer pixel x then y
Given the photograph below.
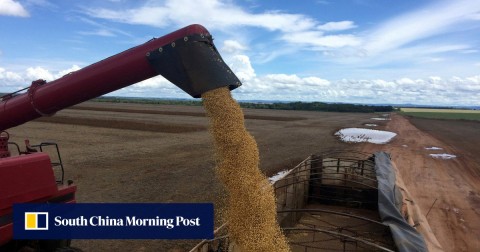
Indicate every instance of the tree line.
{"type": "Point", "coordinates": [319, 106]}
{"type": "Point", "coordinates": [306, 106]}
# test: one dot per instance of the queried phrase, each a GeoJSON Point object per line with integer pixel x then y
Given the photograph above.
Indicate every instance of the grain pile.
{"type": "Point", "coordinates": [250, 210]}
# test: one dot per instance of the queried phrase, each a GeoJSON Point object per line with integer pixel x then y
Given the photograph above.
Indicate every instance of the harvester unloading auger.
{"type": "Point", "coordinates": [186, 57]}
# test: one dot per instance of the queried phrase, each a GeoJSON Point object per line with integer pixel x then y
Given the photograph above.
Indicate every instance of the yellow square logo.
{"type": "Point", "coordinates": [36, 220]}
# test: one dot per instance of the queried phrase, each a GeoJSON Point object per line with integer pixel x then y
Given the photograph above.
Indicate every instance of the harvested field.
{"type": "Point", "coordinates": [123, 124]}
{"type": "Point", "coordinates": [124, 165]}
{"type": "Point", "coordinates": [133, 165]}
{"type": "Point", "coordinates": [183, 113]}
{"type": "Point", "coordinates": [468, 111]}
{"type": "Point", "coordinates": [463, 136]}
{"type": "Point", "coordinates": [451, 114]}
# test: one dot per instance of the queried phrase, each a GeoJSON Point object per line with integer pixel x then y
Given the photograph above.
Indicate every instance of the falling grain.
{"type": "Point", "coordinates": [250, 210]}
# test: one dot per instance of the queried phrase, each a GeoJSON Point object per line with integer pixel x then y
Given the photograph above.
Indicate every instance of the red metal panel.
{"type": "Point", "coordinates": [103, 77]}
{"type": "Point", "coordinates": [64, 194]}
{"type": "Point", "coordinates": [26, 178]}
{"type": "Point", "coordinates": [6, 233]}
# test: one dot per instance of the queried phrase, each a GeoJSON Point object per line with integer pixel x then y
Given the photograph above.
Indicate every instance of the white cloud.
{"type": "Point", "coordinates": [405, 81]}
{"type": "Point", "coordinates": [101, 29]}
{"type": "Point", "coordinates": [14, 80]}
{"type": "Point", "coordinates": [35, 73]}
{"type": "Point", "coordinates": [434, 79]}
{"type": "Point", "coordinates": [217, 14]}
{"type": "Point", "coordinates": [419, 57]}
{"type": "Point", "coordinates": [435, 19]}
{"type": "Point", "coordinates": [315, 81]}
{"type": "Point", "coordinates": [279, 86]}
{"type": "Point", "coordinates": [99, 32]}
{"type": "Point", "coordinates": [12, 8]}
{"type": "Point", "coordinates": [9, 78]}
{"type": "Point", "coordinates": [433, 90]}
{"type": "Point", "coordinates": [287, 79]}
{"type": "Point", "coordinates": [225, 16]}
{"type": "Point", "coordinates": [156, 82]}
{"type": "Point", "coordinates": [469, 51]}
{"type": "Point", "coordinates": [317, 40]}
{"type": "Point", "coordinates": [66, 71]}
{"type": "Point", "coordinates": [233, 46]}
{"type": "Point", "coordinates": [337, 26]}
{"type": "Point", "coordinates": [428, 91]}
{"type": "Point", "coordinates": [294, 81]}
{"type": "Point", "coordinates": [470, 84]}
{"type": "Point", "coordinates": [431, 49]}
{"type": "Point", "coordinates": [241, 66]}
{"type": "Point", "coordinates": [382, 84]}
{"type": "Point", "coordinates": [154, 87]}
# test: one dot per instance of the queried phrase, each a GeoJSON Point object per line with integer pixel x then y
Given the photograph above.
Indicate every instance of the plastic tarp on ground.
{"type": "Point", "coordinates": [405, 236]}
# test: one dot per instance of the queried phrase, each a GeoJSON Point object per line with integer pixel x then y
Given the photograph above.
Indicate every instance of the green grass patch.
{"type": "Point", "coordinates": [430, 110]}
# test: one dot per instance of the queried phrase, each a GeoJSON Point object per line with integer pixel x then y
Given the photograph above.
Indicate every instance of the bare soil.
{"type": "Point", "coordinates": [158, 153]}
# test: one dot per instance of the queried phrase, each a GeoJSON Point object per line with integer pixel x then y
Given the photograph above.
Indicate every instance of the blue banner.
{"type": "Point", "coordinates": [113, 221]}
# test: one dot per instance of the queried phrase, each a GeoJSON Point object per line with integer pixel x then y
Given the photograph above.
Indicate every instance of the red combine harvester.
{"type": "Point", "coordinates": [186, 57]}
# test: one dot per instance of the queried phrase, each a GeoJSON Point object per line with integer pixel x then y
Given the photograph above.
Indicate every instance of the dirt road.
{"type": "Point", "coordinates": [455, 217]}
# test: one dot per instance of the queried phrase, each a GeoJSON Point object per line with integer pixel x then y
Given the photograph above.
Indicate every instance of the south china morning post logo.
{"type": "Point", "coordinates": [36, 220]}
{"type": "Point", "coordinates": [114, 221]}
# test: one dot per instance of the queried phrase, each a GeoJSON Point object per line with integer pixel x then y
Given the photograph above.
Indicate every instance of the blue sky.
{"type": "Point", "coordinates": [362, 51]}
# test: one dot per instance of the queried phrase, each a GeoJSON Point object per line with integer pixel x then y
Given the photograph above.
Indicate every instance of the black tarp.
{"type": "Point", "coordinates": [405, 236]}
